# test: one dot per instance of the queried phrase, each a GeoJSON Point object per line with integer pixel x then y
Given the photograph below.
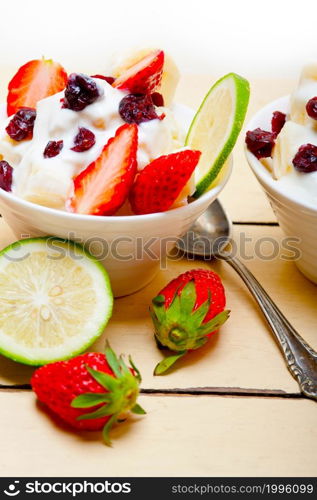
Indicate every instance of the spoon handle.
{"type": "Point", "coordinates": [300, 358]}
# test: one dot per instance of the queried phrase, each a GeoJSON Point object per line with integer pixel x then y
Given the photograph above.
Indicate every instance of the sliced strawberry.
{"type": "Point", "coordinates": [35, 80]}
{"type": "Point", "coordinates": [104, 185]}
{"type": "Point", "coordinates": [144, 76]}
{"type": "Point", "coordinates": [158, 185]}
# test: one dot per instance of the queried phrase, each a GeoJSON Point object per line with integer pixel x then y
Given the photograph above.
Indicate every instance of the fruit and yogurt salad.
{"type": "Point", "coordinates": [289, 149]}
{"type": "Point", "coordinates": [104, 145]}
{"type": "Point", "coordinates": [77, 142]}
{"type": "Point", "coordinates": [113, 145]}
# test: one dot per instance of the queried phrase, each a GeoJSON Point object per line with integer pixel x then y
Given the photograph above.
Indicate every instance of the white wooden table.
{"type": "Point", "coordinates": [230, 409]}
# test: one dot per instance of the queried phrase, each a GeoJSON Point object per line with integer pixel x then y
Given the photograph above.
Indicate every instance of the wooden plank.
{"type": "Point", "coordinates": [243, 355]}
{"type": "Point", "coordinates": [179, 436]}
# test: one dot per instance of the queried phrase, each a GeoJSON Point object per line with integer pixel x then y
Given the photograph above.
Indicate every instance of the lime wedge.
{"type": "Point", "coordinates": [55, 300]}
{"type": "Point", "coordinates": [216, 126]}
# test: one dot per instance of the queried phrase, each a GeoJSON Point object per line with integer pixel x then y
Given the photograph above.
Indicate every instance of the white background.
{"type": "Point", "coordinates": [251, 37]}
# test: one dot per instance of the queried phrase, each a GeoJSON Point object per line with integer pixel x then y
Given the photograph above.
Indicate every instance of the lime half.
{"type": "Point", "coordinates": [216, 126]}
{"type": "Point", "coordinates": [55, 300]}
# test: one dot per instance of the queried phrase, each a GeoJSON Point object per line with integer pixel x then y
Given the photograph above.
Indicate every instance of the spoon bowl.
{"type": "Point", "coordinates": [209, 235]}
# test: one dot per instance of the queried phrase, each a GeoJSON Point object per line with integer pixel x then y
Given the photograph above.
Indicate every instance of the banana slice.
{"type": "Point", "coordinates": [124, 60]}
{"type": "Point", "coordinates": [288, 142]}
{"type": "Point", "coordinates": [51, 194]}
{"type": "Point", "coordinates": [43, 183]}
{"type": "Point", "coordinates": [170, 77]}
{"type": "Point", "coordinates": [307, 88]}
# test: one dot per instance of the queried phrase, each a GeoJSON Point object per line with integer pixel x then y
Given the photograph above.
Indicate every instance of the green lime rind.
{"type": "Point", "coordinates": [242, 94]}
{"type": "Point", "coordinates": [103, 324]}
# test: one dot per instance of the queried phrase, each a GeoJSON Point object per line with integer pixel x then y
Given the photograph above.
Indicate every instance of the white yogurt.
{"type": "Point", "coordinates": [300, 186]}
{"type": "Point", "coordinates": [299, 129]}
{"type": "Point", "coordinates": [49, 181]}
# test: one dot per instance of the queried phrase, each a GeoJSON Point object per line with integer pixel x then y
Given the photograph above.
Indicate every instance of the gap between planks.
{"type": "Point", "coordinates": [248, 223]}
{"type": "Point", "coordinates": [202, 391]}
{"type": "Point", "coordinates": [254, 223]}
{"type": "Point", "coordinates": [195, 391]}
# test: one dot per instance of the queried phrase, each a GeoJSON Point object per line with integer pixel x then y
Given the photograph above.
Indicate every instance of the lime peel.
{"type": "Point", "coordinates": [216, 127]}
{"type": "Point", "coordinates": [56, 300]}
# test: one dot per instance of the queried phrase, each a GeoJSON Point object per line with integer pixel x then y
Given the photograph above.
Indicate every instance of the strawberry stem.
{"type": "Point", "coordinates": [177, 335]}
{"type": "Point", "coordinates": [138, 410]}
{"type": "Point", "coordinates": [107, 428]}
{"type": "Point", "coordinates": [166, 363]}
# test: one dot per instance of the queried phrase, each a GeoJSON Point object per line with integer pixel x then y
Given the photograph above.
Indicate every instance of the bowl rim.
{"type": "Point", "coordinates": [282, 104]}
{"type": "Point", "coordinates": [120, 219]}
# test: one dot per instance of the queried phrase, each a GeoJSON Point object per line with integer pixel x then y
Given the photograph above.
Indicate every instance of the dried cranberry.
{"type": "Point", "coordinates": [260, 142]}
{"type": "Point", "coordinates": [108, 79]}
{"type": "Point", "coordinates": [137, 108]}
{"type": "Point", "coordinates": [5, 175]}
{"type": "Point", "coordinates": [22, 124]}
{"type": "Point", "coordinates": [80, 91]}
{"type": "Point", "coordinates": [305, 159]}
{"type": "Point", "coordinates": [311, 108]}
{"type": "Point", "coordinates": [53, 148]}
{"type": "Point", "coordinates": [278, 122]}
{"type": "Point", "coordinates": [158, 99]}
{"type": "Point", "coordinates": [84, 140]}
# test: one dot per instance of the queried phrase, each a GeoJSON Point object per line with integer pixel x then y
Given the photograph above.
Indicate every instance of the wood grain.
{"type": "Point", "coordinates": [265, 429]}
{"type": "Point", "coordinates": [179, 436]}
{"type": "Point", "coordinates": [242, 355]}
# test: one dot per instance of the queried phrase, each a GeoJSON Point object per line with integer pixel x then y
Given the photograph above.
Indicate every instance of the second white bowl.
{"type": "Point", "coordinates": [297, 217]}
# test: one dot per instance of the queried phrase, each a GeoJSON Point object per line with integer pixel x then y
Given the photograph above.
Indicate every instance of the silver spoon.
{"type": "Point", "coordinates": [208, 238]}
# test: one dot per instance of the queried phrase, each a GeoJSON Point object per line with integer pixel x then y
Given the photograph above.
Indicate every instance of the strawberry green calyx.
{"type": "Point", "coordinates": [179, 327]}
{"type": "Point", "coordinates": [122, 390]}
{"type": "Point", "coordinates": [167, 362]}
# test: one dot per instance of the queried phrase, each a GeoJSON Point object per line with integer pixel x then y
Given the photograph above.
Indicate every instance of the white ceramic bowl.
{"type": "Point", "coordinates": [297, 217]}
{"type": "Point", "coordinates": [130, 247]}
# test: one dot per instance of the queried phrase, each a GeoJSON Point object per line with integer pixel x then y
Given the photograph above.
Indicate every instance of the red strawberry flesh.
{"type": "Point", "coordinates": [103, 186]}
{"type": "Point", "coordinates": [205, 281]}
{"type": "Point", "coordinates": [159, 184]}
{"type": "Point", "coordinates": [144, 76]}
{"type": "Point", "coordinates": [34, 81]}
{"type": "Point", "coordinates": [57, 384]}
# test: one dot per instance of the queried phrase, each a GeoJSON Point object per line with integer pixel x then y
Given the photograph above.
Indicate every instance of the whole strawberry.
{"type": "Point", "coordinates": [186, 312]}
{"type": "Point", "coordinates": [91, 391]}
